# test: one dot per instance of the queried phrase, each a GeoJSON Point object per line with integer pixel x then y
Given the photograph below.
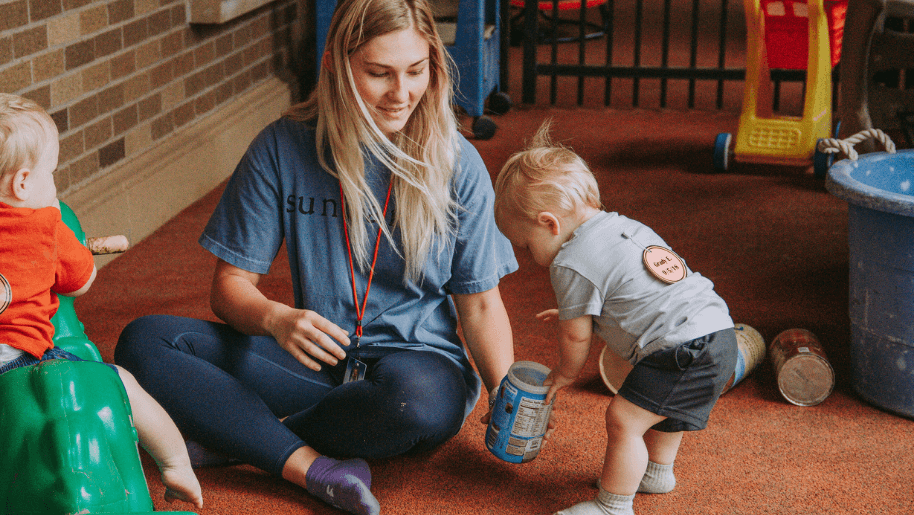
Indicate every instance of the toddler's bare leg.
{"type": "Point", "coordinates": [625, 463]}
{"type": "Point", "coordinates": [163, 441]}
{"type": "Point", "coordinates": [661, 450]}
{"type": "Point", "coordinates": [662, 447]}
{"type": "Point", "coordinates": [626, 450]}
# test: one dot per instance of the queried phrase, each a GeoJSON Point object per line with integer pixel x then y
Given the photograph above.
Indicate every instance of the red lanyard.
{"type": "Point", "coordinates": [360, 311]}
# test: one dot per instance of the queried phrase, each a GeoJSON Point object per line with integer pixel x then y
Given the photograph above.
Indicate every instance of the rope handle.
{"type": "Point", "coordinates": [833, 145]}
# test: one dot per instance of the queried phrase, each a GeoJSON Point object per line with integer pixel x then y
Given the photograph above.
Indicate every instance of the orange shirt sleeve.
{"type": "Point", "coordinates": [74, 261]}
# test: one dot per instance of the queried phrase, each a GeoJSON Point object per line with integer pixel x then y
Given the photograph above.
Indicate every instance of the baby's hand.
{"type": "Point", "coordinates": [549, 315]}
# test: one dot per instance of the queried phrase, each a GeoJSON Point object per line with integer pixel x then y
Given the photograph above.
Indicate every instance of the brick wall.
{"type": "Point", "coordinates": [118, 76]}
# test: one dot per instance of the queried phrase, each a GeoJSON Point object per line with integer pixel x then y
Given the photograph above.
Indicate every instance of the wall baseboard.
{"type": "Point", "coordinates": [140, 194]}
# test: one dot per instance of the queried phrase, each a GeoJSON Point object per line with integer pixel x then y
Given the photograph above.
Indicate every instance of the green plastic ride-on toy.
{"type": "Point", "coordinates": [69, 445]}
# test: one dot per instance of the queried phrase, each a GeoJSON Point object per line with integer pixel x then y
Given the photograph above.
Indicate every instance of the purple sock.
{"type": "Point", "coordinates": [343, 484]}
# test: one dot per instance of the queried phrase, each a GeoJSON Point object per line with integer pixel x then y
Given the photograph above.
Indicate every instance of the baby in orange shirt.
{"type": "Point", "coordinates": [41, 258]}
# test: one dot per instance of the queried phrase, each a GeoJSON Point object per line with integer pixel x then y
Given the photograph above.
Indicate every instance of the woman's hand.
{"type": "Point", "coordinates": [308, 336]}
{"type": "Point", "coordinates": [304, 334]}
{"type": "Point", "coordinates": [487, 417]}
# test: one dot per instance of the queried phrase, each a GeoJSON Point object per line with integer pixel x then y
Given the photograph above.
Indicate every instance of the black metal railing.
{"type": "Point", "coordinates": [634, 30]}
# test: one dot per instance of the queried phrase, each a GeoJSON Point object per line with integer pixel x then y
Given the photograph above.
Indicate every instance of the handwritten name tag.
{"type": "Point", "coordinates": [664, 264]}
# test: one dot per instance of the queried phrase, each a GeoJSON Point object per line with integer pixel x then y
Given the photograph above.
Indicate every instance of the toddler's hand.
{"type": "Point", "coordinates": [548, 316]}
{"type": "Point", "coordinates": [556, 382]}
{"type": "Point", "coordinates": [550, 427]}
{"type": "Point", "coordinates": [553, 417]}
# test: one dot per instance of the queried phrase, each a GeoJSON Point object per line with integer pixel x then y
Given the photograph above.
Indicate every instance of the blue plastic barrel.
{"type": "Point", "coordinates": [879, 189]}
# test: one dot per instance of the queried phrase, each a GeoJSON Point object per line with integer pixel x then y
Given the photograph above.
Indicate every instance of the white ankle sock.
{"type": "Point", "coordinates": [605, 504]}
{"type": "Point", "coordinates": [658, 479]}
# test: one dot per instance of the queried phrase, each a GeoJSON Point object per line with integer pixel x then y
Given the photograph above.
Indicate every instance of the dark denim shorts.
{"type": "Point", "coordinates": [683, 383]}
{"type": "Point", "coordinates": [53, 353]}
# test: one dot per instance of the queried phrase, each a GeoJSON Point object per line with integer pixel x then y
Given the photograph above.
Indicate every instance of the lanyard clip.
{"type": "Point", "coordinates": [358, 333]}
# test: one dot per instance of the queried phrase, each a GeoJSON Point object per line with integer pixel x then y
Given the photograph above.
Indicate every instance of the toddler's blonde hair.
{"type": "Point", "coordinates": [546, 176]}
{"type": "Point", "coordinates": [25, 131]}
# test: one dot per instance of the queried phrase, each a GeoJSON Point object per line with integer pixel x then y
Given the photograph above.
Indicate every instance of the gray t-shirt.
{"type": "Point", "coordinates": [279, 193]}
{"type": "Point", "coordinates": [599, 272]}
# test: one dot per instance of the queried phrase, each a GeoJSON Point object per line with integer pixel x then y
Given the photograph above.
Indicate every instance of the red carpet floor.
{"type": "Point", "coordinates": [771, 238]}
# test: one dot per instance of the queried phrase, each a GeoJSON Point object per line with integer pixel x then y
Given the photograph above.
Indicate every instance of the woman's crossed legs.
{"type": "Point", "coordinates": [245, 397]}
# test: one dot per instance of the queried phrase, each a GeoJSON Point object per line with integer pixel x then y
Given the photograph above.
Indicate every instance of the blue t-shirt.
{"type": "Point", "coordinates": [280, 193]}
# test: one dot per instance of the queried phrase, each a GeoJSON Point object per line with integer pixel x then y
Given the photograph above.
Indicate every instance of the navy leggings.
{"type": "Point", "coordinates": [228, 391]}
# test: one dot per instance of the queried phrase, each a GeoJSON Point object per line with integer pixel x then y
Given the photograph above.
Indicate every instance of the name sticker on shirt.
{"type": "Point", "coordinates": [664, 264]}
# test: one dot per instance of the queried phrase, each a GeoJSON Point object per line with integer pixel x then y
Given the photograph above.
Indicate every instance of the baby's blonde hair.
{"type": "Point", "coordinates": [25, 130]}
{"type": "Point", "coordinates": [546, 176]}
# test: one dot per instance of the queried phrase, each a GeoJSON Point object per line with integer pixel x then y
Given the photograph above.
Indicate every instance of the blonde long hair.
{"type": "Point", "coordinates": [423, 156]}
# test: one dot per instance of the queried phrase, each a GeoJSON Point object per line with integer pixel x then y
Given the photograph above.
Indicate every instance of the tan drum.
{"type": "Point", "coordinates": [751, 351]}
{"type": "Point", "coordinates": [613, 369]}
